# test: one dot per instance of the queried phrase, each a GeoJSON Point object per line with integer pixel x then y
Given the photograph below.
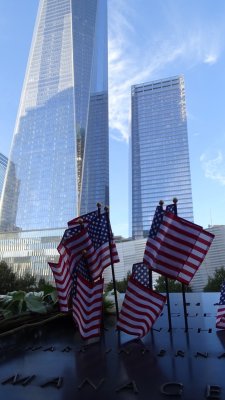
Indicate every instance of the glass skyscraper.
{"type": "Point", "coordinates": [59, 161]}
{"type": "Point", "coordinates": [3, 165]}
{"type": "Point", "coordinates": [160, 153]}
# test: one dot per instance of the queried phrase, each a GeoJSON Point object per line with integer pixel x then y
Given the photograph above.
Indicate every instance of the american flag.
{"type": "Point", "coordinates": [191, 265]}
{"type": "Point", "coordinates": [63, 282]}
{"type": "Point", "coordinates": [140, 273]}
{"type": "Point", "coordinates": [176, 247]}
{"type": "Point", "coordinates": [196, 257]}
{"type": "Point", "coordinates": [87, 306]}
{"type": "Point", "coordinates": [74, 241]}
{"type": "Point", "coordinates": [71, 247]}
{"type": "Point", "coordinates": [85, 218]}
{"type": "Point", "coordinates": [81, 268]}
{"type": "Point", "coordinates": [141, 306]}
{"type": "Point", "coordinates": [157, 219]}
{"type": "Point", "coordinates": [172, 208]}
{"type": "Point", "coordinates": [220, 318]}
{"type": "Point", "coordinates": [102, 253]}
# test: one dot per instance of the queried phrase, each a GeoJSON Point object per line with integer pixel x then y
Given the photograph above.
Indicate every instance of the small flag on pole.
{"type": "Point", "coordinates": [81, 268]}
{"type": "Point", "coordinates": [98, 255]}
{"type": "Point", "coordinates": [140, 273]}
{"type": "Point", "coordinates": [196, 257]}
{"type": "Point", "coordinates": [172, 208]}
{"type": "Point", "coordinates": [89, 217]}
{"type": "Point", "coordinates": [176, 247]}
{"type": "Point", "coordinates": [87, 306]}
{"type": "Point", "coordinates": [141, 306]}
{"type": "Point", "coordinates": [63, 282]}
{"type": "Point", "coordinates": [220, 318]}
{"type": "Point", "coordinates": [74, 241]}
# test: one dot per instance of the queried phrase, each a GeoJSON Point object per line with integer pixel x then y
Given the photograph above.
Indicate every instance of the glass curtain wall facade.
{"type": "Point", "coordinates": [214, 260]}
{"type": "Point", "coordinates": [30, 251]}
{"type": "Point", "coordinates": [3, 165]}
{"type": "Point", "coordinates": [59, 164]}
{"type": "Point", "coordinates": [159, 151]}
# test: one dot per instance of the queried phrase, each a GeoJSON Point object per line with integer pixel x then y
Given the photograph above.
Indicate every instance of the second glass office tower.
{"type": "Point", "coordinates": [58, 165]}
{"type": "Point", "coordinates": [160, 153]}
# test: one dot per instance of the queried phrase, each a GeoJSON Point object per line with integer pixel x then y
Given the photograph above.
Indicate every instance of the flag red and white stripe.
{"type": "Point", "coordinates": [178, 248]}
{"type": "Point", "coordinates": [85, 218]}
{"type": "Point", "coordinates": [99, 259]}
{"type": "Point", "coordinates": [63, 282]}
{"type": "Point", "coordinates": [100, 253]}
{"type": "Point", "coordinates": [87, 307]}
{"type": "Point", "coordinates": [140, 309]}
{"type": "Point", "coordinates": [75, 243]}
{"type": "Point", "coordinates": [72, 248]}
{"type": "Point", "coordinates": [196, 257]}
{"type": "Point", "coordinates": [220, 317]}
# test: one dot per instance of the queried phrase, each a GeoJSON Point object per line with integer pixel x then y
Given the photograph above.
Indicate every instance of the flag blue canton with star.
{"type": "Point", "coordinates": [80, 268]}
{"type": "Point", "coordinates": [69, 233]}
{"type": "Point", "coordinates": [97, 227]}
{"type": "Point", "coordinates": [159, 212]}
{"type": "Point", "coordinates": [140, 272]}
{"type": "Point", "coordinates": [85, 218]}
{"type": "Point", "coordinates": [172, 208]}
{"type": "Point", "coordinates": [98, 230]}
{"type": "Point", "coordinates": [222, 294]}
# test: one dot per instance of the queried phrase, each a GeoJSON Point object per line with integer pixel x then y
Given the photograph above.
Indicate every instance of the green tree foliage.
{"type": "Point", "coordinates": [26, 282]}
{"type": "Point", "coordinates": [121, 286]}
{"type": "Point", "coordinates": [8, 278]}
{"type": "Point", "coordinates": [44, 286]}
{"type": "Point", "coordinates": [10, 281]}
{"type": "Point", "coordinates": [214, 283]}
{"type": "Point", "coordinates": [173, 286]}
{"type": "Point", "coordinates": [41, 284]}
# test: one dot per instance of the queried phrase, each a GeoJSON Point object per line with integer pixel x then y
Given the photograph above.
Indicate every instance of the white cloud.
{"type": "Point", "coordinates": [132, 61]}
{"type": "Point", "coordinates": [214, 168]}
{"type": "Point", "coordinates": [211, 59]}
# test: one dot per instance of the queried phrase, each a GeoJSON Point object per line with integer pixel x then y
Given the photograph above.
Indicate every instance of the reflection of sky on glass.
{"type": "Point", "coordinates": [183, 37]}
{"type": "Point", "coordinates": [60, 147]}
{"type": "Point", "coordinates": [99, 74]}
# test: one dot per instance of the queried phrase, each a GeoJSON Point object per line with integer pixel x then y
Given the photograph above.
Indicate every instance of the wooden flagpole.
{"type": "Point", "coordinates": [182, 284]}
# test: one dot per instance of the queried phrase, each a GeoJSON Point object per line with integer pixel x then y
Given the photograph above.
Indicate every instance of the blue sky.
{"type": "Point", "coordinates": [148, 39]}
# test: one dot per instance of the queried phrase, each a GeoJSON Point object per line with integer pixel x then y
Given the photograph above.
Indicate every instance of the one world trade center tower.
{"type": "Point", "coordinates": [59, 161]}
